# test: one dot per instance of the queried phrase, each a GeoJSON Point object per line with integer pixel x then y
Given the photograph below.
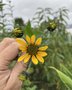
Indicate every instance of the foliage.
{"type": "Point", "coordinates": [28, 29]}
{"type": "Point", "coordinates": [4, 17]}
{"type": "Point", "coordinates": [43, 16]}
{"type": "Point", "coordinates": [65, 79]}
{"type": "Point", "coordinates": [18, 23]}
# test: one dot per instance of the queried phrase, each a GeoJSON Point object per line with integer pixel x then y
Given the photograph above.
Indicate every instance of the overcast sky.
{"type": "Point", "coordinates": [27, 8]}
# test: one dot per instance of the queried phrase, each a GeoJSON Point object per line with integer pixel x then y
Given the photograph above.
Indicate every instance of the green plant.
{"type": "Point", "coordinates": [5, 25]}
{"type": "Point", "coordinates": [64, 78]}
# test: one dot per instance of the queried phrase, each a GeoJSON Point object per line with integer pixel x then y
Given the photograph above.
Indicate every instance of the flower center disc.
{"type": "Point", "coordinates": [32, 49]}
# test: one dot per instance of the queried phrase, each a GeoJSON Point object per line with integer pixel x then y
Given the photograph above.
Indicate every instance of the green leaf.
{"type": "Point", "coordinates": [65, 70]}
{"type": "Point", "coordinates": [64, 78]}
{"type": "Point", "coordinates": [28, 29]}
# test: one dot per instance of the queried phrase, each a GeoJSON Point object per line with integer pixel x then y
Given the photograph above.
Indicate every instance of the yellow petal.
{"type": "Point", "coordinates": [40, 58]}
{"type": "Point", "coordinates": [27, 58]}
{"type": "Point", "coordinates": [27, 38]}
{"type": "Point", "coordinates": [20, 41]}
{"type": "Point", "coordinates": [43, 54]}
{"type": "Point", "coordinates": [38, 41]}
{"type": "Point", "coordinates": [33, 39]}
{"type": "Point", "coordinates": [22, 57]}
{"type": "Point", "coordinates": [43, 48]}
{"type": "Point", "coordinates": [34, 60]}
{"type": "Point", "coordinates": [23, 48]}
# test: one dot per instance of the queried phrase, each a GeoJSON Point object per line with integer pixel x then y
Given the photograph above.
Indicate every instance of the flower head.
{"type": "Point", "coordinates": [17, 32]}
{"type": "Point", "coordinates": [51, 25]}
{"type": "Point", "coordinates": [32, 49]}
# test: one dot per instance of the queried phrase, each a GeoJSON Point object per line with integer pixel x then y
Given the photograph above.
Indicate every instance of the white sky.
{"type": "Point", "coordinates": [27, 8]}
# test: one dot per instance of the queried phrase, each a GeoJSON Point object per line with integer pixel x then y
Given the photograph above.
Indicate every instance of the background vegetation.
{"type": "Point", "coordinates": [56, 72]}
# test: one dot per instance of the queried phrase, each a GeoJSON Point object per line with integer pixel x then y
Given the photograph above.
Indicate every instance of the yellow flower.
{"type": "Point", "coordinates": [32, 49]}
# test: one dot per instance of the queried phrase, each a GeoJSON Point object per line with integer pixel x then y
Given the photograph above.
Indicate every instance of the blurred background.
{"type": "Point", "coordinates": [51, 20]}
